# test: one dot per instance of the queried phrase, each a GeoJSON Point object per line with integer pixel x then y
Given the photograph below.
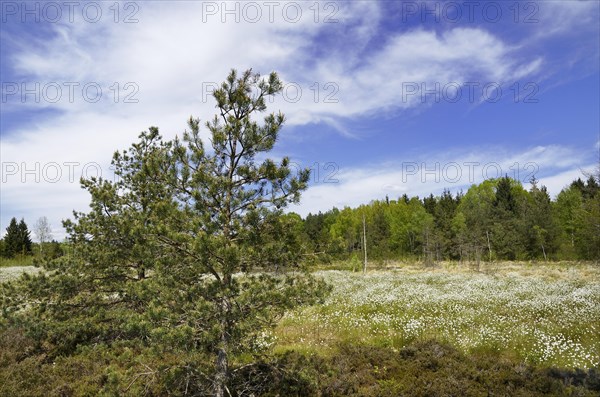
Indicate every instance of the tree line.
{"type": "Point", "coordinates": [17, 242]}
{"type": "Point", "coordinates": [497, 219]}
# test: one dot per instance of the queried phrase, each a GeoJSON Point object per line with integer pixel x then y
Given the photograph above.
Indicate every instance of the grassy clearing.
{"type": "Point", "coordinates": [540, 314]}
{"type": "Point", "coordinates": [26, 260]}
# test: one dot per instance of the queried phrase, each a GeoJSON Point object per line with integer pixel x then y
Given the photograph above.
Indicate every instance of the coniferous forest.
{"type": "Point", "coordinates": [498, 219]}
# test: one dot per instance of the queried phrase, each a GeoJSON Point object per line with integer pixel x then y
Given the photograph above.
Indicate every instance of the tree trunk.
{"type": "Point", "coordinates": [572, 239]}
{"type": "Point", "coordinates": [544, 251]}
{"type": "Point", "coordinates": [365, 244]}
{"type": "Point", "coordinates": [221, 375]}
{"type": "Point", "coordinates": [489, 245]}
{"type": "Point", "coordinates": [141, 272]}
{"type": "Point", "coordinates": [222, 363]}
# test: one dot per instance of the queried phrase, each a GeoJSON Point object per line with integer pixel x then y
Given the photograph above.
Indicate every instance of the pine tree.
{"type": "Point", "coordinates": [187, 253]}
{"type": "Point", "coordinates": [589, 239]}
{"type": "Point", "coordinates": [592, 188]}
{"type": "Point", "coordinates": [378, 229]}
{"type": "Point", "coordinates": [233, 204]}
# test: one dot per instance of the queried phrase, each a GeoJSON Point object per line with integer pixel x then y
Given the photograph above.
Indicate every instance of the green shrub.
{"type": "Point", "coordinates": [423, 369]}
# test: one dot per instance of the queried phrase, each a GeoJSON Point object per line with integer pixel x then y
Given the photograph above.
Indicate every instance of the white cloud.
{"type": "Point", "coordinates": [557, 182]}
{"type": "Point", "coordinates": [392, 77]}
{"type": "Point", "coordinates": [455, 169]}
{"type": "Point", "coordinates": [557, 17]}
{"type": "Point", "coordinates": [174, 52]}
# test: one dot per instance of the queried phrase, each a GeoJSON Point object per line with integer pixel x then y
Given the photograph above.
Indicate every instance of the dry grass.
{"type": "Point", "coordinates": [19, 260]}
{"type": "Point", "coordinates": [565, 270]}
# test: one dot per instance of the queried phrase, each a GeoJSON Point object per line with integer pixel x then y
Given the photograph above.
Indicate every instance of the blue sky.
{"type": "Point", "coordinates": [510, 88]}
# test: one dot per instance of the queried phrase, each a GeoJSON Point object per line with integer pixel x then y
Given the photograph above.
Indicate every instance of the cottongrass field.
{"type": "Point", "coordinates": [541, 314]}
{"type": "Point", "coordinates": [14, 272]}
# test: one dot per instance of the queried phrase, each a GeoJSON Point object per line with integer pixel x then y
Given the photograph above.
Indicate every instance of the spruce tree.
{"type": "Point", "coordinates": [541, 238]}
{"type": "Point", "coordinates": [11, 239]}
{"type": "Point", "coordinates": [507, 231]}
{"type": "Point", "coordinates": [25, 242]}
{"type": "Point", "coordinates": [17, 240]}
{"type": "Point", "coordinates": [505, 201]}
{"type": "Point", "coordinates": [445, 210]}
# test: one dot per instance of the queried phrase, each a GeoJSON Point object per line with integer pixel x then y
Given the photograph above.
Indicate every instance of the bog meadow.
{"type": "Point", "coordinates": [188, 277]}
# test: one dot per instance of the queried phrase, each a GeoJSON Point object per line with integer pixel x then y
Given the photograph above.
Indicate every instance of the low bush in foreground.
{"type": "Point", "coordinates": [427, 368]}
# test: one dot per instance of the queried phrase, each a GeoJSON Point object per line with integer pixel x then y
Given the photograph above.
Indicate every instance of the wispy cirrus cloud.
{"type": "Point", "coordinates": [455, 169]}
